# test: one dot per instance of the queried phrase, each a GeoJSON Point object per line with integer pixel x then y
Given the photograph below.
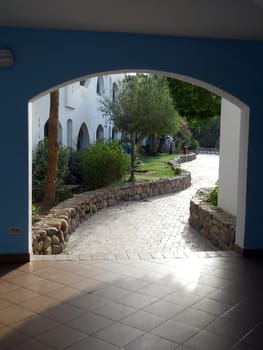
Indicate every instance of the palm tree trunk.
{"type": "Point", "coordinates": [53, 124]}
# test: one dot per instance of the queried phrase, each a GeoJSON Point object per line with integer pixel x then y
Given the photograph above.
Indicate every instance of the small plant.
{"type": "Point", "coordinates": [177, 171]}
{"type": "Point", "coordinates": [212, 195]}
{"type": "Point", "coordinates": [35, 209]}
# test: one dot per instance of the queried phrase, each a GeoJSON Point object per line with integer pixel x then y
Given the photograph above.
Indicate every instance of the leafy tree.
{"type": "Point", "coordinates": [143, 107]}
{"type": "Point", "coordinates": [208, 134]}
{"type": "Point", "coordinates": [194, 103]}
{"type": "Point", "coordinates": [184, 135]}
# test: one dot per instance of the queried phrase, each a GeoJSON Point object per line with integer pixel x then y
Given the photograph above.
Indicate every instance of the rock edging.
{"type": "Point", "coordinates": [212, 222]}
{"type": "Point", "coordinates": [50, 233]}
{"type": "Point", "coordinates": [182, 159]}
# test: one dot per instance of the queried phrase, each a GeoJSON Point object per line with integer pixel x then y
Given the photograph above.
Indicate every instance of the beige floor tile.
{"type": "Point", "coordinates": [13, 314]}
{"type": "Point", "coordinates": [65, 294]}
{"type": "Point", "coordinates": [40, 304]}
{"type": "Point", "coordinates": [6, 286]}
{"type": "Point", "coordinates": [18, 295]}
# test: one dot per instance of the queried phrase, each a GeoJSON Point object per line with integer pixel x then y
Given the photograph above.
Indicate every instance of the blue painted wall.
{"type": "Point", "coordinates": [47, 58]}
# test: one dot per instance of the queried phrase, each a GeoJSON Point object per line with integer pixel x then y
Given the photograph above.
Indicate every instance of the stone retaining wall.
{"type": "Point", "coordinates": [182, 159]}
{"type": "Point", "coordinates": [212, 222]}
{"type": "Point", "coordinates": [186, 158]}
{"type": "Point", "coordinates": [50, 233]}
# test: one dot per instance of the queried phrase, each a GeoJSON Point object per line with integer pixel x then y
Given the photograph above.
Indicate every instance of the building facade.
{"type": "Point", "coordinates": [81, 122]}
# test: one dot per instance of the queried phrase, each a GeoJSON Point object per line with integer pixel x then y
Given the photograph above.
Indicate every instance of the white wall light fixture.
{"type": "Point", "coordinates": [6, 58]}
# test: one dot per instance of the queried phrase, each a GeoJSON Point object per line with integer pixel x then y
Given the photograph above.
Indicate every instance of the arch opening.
{"type": "Point", "coordinates": [99, 133]}
{"type": "Point", "coordinates": [60, 132]}
{"type": "Point", "coordinates": [83, 137]}
{"type": "Point", "coordinates": [241, 140]}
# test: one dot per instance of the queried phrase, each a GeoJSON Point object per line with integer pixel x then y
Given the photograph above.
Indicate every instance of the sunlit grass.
{"type": "Point", "coordinates": [154, 167]}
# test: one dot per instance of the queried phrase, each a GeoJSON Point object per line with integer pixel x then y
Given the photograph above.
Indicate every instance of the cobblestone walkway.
{"type": "Point", "coordinates": [155, 228]}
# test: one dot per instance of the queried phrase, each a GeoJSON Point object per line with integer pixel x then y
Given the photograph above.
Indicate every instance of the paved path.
{"type": "Point", "coordinates": [154, 228]}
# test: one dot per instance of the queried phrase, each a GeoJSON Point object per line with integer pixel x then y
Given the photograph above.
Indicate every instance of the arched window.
{"type": "Point", "coordinates": [60, 132]}
{"type": "Point", "coordinates": [69, 133]}
{"type": "Point", "coordinates": [100, 86]}
{"type": "Point", "coordinates": [114, 133]}
{"type": "Point", "coordinates": [83, 137]}
{"type": "Point", "coordinates": [114, 91]}
{"type": "Point", "coordinates": [100, 133]}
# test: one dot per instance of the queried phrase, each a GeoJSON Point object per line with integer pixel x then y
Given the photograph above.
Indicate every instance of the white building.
{"type": "Point", "coordinates": [81, 123]}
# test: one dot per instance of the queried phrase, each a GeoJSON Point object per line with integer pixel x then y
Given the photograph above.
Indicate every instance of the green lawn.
{"type": "Point", "coordinates": [156, 167]}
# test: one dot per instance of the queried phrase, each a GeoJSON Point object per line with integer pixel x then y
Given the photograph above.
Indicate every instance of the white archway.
{"type": "Point", "coordinates": [240, 162]}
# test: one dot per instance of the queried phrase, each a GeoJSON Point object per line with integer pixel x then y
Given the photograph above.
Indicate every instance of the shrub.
{"type": "Point", "coordinates": [40, 164]}
{"type": "Point", "coordinates": [194, 144]}
{"type": "Point", "coordinates": [62, 193]}
{"type": "Point", "coordinates": [74, 163]}
{"type": "Point", "coordinates": [212, 195]}
{"type": "Point", "coordinates": [177, 171]}
{"type": "Point", "coordinates": [103, 164]}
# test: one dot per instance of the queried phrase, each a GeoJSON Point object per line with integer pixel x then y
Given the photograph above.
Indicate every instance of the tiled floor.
{"type": "Point", "coordinates": [159, 304]}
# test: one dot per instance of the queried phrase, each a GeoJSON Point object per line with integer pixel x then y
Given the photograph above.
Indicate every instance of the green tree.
{"type": "Point", "coordinates": [142, 107]}
{"type": "Point", "coordinates": [208, 134]}
{"type": "Point", "coordinates": [194, 103]}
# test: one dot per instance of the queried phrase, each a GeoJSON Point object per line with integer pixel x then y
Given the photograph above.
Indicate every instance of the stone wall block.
{"type": "Point", "coordinates": [48, 251]}
{"type": "Point", "coordinates": [35, 243]}
{"type": "Point", "coordinates": [64, 225]}
{"type": "Point", "coordinates": [155, 192]}
{"type": "Point", "coordinates": [40, 246]}
{"type": "Point", "coordinates": [56, 249]}
{"type": "Point", "coordinates": [39, 233]}
{"type": "Point", "coordinates": [52, 231]}
{"type": "Point", "coordinates": [61, 237]}
{"type": "Point", "coordinates": [55, 239]}
{"type": "Point", "coordinates": [47, 243]}
{"type": "Point", "coordinates": [138, 189]}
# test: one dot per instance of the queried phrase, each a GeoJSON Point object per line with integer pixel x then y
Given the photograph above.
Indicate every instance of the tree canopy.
{"type": "Point", "coordinates": [143, 106]}
{"type": "Point", "coordinates": [194, 103]}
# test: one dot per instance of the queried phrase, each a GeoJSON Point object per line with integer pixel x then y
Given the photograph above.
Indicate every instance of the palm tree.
{"type": "Point", "coordinates": [53, 125]}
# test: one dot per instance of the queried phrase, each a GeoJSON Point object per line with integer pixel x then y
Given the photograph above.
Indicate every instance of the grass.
{"type": "Point", "coordinates": [154, 167]}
